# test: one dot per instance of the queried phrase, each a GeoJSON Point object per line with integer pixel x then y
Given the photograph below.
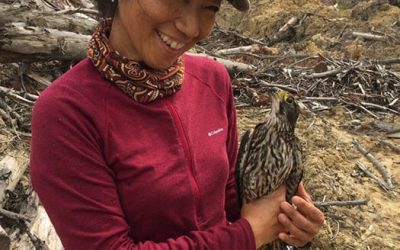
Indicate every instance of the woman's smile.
{"type": "Point", "coordinates": [170, 42]}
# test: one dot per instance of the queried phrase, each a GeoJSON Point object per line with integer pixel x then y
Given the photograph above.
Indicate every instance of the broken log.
{"type": "Point", "coordinates": [42, 228]}
{"type": "Point", "coordinates": [77, 23]}
{"type": "Point", "coordinates": [19, 42]}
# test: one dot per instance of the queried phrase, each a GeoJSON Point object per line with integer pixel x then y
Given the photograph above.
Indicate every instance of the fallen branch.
{"type": "Point", "coordinates": [287, 31]}
{"type": "Point", "coordinates": [369, 36]}
{"type": "Point", "coordinates": [392, 103]}
{"type": "Point", "coordinates": [367, 110]}
{"type": "Point", "coordinates": [381, 182]}
{"type": "Point", "coordinates": [325, 74]}
{"type": "Point", "coordinates": [78, 10]}
{"type": "Point", "coordinates": [39, 79]}
{"type": "Point", "coordinates": [320, 98]}
{"type": "Point", "coordinates": [281, 86]}
{"type": "Point", "coordinates": [13, 216]}
{"type": "Point", "coordinates": [395, 134]}
{"type": "Point", "coordinates": [12, 93]}
{"type": "Point", "coordinates": [340, 203]}
{"type": "Point", "coordinates": [388, 61]}
{"type": "Point", "coordinates": [386, 126]}
{"type": "Point", "coordinates": [373, 105]}
{"type": "Point", "coordinates": [231, 66]}
{"type": "Point", "coordinates": [393, 147]}
{"type": "Point", "coordinates": [381, 168]}
{"type": "Point", "coordinates": [252, 40]}
{"type": "Point", "coordinates": [255, 48]}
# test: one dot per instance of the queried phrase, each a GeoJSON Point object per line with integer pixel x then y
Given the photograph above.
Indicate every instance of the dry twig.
{"type": "Point", "coordinates": [13, 216]}
{"type": "Point", "coordinates": [381, 168]}
{"type": "Point", "coordinates": [381, 182]}
{"type": "Point", "coordinates": [340, 203]}
{"type": "Point", "coordinates": [393, 147]}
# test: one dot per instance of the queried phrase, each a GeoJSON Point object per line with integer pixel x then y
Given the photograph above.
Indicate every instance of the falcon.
{"type": "Point", "coordinates": [270, 155]}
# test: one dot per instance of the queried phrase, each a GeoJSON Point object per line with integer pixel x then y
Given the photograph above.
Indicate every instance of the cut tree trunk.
{"type": "Point", "coordinates": [32, 35]}
{"type": "Point", "coordinates": [77, 23]}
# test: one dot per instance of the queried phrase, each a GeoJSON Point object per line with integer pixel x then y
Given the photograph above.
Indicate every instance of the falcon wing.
{"type": "Point", "coordinates": [296, 175]}
{"type": "Point", "coordinates": [241, 160]}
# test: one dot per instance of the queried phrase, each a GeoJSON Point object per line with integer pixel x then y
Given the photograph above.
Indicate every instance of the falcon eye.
{"type": "Point", "coordinates": [289, 99]}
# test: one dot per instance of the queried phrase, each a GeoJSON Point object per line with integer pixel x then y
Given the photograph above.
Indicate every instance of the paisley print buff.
{"type": "Point", "coordinates": [135, 79]}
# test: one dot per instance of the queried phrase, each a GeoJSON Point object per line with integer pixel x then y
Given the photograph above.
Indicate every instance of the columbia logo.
{"type": "Point", "coordinates": [214, 132]}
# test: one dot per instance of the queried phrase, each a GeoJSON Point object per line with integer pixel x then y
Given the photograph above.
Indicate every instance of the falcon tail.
{"type": "Point", "coordinates": [278, 245]}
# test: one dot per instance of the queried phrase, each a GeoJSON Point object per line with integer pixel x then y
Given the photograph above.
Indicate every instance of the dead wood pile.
{"type": "Point", "coordinates": [39, 40]}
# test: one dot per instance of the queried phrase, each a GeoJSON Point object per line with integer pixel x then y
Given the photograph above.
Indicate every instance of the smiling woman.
{"type": "Point", "coordinates": [135, 146]}
{"type": "Point", "coordinates": [158, 32]}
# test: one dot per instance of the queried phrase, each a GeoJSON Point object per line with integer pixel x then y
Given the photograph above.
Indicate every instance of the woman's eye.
{"type": "Point", "coordinates": [289, 99]}
{"type": "Point", "coordinates": [214, 9]}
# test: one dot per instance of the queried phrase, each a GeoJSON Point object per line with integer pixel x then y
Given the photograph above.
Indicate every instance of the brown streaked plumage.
{"type": "Point", "coordinates": [270, 155]}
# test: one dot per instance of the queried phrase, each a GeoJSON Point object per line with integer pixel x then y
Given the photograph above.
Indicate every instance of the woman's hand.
{"type": "Point", "coordinates": [262, 216]}
{"type": "Point", "coordinates": [302, 221]}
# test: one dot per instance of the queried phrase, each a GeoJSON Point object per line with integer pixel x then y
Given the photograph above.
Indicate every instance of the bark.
{"type": "Point", "coordinates": [53, 20]}
{"type": "Point", "coordinates": [11, 172]}
{"type": "Point", "coordinates": [28, 35]}
{"type": "Point", "coordinates": [19, 42]}
{"type": "Point", "coordinates": [43, 229]}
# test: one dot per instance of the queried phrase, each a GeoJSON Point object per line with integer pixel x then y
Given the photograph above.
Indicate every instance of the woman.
{"type": "Point", "coordinates": [135, 147]}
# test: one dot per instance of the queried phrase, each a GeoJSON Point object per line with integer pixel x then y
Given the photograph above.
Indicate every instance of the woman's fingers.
{"type": "Point", "coordinates": [301, 191]}
{"type": "Point", "coordinates": [302, 220]}
{"type": "Point", "coordinates": [293, 230]}
{"type": "Point", "coordinates": [308, 210]}
{"type": "Point", "coordinates": [295, 217]}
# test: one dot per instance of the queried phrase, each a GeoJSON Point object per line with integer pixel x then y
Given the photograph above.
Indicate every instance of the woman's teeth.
{"type": "Point", "coordinates": [171, 43]}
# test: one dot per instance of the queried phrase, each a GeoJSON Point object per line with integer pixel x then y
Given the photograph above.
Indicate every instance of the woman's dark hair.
{"type": "Point", "coordinates": [107, 7]}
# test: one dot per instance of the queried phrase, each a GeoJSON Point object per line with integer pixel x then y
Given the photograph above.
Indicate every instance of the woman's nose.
{"type": "Point", "coordinates": [189, 24]}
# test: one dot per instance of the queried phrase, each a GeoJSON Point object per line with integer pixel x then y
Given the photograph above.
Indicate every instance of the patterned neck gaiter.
{"type": "Point", "coordinates": [135, 79]}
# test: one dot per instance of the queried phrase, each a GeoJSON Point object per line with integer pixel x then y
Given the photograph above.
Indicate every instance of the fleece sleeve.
{"type": "Point", "coordinates": [77, 188]}
{"type": "Point", "coordinates": [231, 203]}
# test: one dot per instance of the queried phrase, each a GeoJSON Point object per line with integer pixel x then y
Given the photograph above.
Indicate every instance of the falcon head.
{"type": "Point", "coordinates": [284, 106]}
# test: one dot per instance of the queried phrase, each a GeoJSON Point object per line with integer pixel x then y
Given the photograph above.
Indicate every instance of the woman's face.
{"type": "Point", "coordinates": [157, 32]}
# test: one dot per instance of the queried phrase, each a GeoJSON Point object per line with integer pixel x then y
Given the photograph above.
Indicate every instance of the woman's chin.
{"type": "Point", "coordinates": [164, 64]}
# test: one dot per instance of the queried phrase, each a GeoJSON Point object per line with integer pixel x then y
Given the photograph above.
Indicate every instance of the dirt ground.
{"type": "Point", "coordinates": [326, 30]}
{"type": "Point", "coordinates": [330, 157]}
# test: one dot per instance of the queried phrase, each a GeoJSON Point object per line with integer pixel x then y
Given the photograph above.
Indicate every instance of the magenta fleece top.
{"type": "Point", "coordinates": [116, 174]}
